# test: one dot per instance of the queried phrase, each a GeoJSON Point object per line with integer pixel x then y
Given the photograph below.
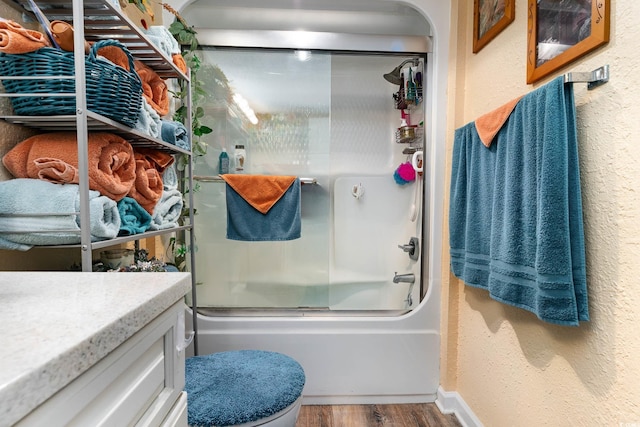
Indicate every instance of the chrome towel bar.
{"type": "Point", "coordinates": [595, 78]}
{"type": "Point", "coordinates": [217, 178]}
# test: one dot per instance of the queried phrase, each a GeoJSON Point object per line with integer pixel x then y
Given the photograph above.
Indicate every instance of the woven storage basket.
{"type": "Point", "coordinates": [112, 91]}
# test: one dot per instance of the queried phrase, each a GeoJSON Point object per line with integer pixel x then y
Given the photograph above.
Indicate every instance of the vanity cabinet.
{"type": "Point", "coordinates": [114, 358]}
{"type": "Point", "coordinates": [140, 383]}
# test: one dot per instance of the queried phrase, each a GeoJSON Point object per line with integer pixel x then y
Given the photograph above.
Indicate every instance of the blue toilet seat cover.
{"type": "Point", "coordinates": [235, 387]}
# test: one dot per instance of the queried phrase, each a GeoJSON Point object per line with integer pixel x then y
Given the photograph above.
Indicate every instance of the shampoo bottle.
{"type": "Point", "coordinates": [239, 156]}
{"type": "Point", "coordinates": [223, 162]}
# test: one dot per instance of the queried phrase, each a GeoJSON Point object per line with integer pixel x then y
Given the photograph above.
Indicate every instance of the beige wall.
{"type": "Point", "coordinates": [509, 367]}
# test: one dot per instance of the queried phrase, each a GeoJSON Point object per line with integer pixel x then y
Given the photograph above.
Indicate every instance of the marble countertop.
{"type": "Point", "coordinates": [55, 326]}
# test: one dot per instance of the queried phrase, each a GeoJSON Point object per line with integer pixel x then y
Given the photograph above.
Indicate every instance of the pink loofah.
{"type": "Point", "coordinates": [406, 172]}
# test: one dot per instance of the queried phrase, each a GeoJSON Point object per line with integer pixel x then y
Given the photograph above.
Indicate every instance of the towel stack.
{"type": "Point", "coordinates": [130, 179]}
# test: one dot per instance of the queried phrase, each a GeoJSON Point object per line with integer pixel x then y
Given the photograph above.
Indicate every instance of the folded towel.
{"type": "Point", "coordinates": [49, 213]}
{"type": "Point", "coordinates": [167, 210]}
{"type": "Point", "coordinates": [16, 39]}
{"type": "Point", "coordinates": [161, 37]}
{"type": "Point", "coordinates": [489, 124]}
{"type": "Point", "coordinates": [260, 191]}
{"type": "Point", "coordinates": [170, 178]}
{"type": "Point", "coordinates": [147, 188]}
{"type": "Point", "coordinates": [175, 133]}
{"type": "Point", "coordinates": [154, 89]}
{"type": "Point", "coordinates": [148, 121]}
{"type": "Point", "coordinates": [516, 212]}
{"type": "Point", "coordinates": [54, 157]}
{"type": "Point", "coordinates": [133, 218]}
{"type": "Point", "coordinates": [267, 216]}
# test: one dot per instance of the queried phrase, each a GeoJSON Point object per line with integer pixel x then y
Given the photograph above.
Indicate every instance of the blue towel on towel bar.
{"type": "Point", "coordinates": [516, 213]}
{"type": "Point", "coordinates": [49, 213]}
{"type": "Point", "coordinates": [281, 222]}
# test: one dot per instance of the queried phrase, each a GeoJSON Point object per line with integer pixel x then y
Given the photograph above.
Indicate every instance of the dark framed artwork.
{"type": "Point", "coordinates": [490, 17]}
{"type": "Point", "coordinates": [561, 31]}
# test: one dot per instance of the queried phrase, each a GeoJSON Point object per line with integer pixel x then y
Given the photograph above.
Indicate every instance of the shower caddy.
{"type": "Point", "coordinates": [95, 20]}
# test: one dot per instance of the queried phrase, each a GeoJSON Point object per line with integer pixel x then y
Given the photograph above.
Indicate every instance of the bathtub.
{"type": "Point", "coordinates": [378, 356]}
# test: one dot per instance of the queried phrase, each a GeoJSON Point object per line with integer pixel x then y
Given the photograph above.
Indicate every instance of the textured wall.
{"type": "Point", "coordinates": [512, 369]}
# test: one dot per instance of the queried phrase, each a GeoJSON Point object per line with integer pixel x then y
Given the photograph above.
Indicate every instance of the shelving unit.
{"type": "Point", "coordinates": [95, 20]}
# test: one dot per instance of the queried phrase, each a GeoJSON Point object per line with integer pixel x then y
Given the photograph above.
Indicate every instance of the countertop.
{"type": "Point", "coordinates": [55, 326]}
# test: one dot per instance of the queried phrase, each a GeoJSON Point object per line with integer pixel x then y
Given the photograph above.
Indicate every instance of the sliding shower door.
{"type": "Point", "coordinates": [331, 120]}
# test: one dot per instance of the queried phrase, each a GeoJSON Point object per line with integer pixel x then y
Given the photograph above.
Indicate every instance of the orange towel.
{"type": "Point", "coordinates": [488, 125]}
{"type": "Point", "coordinates": [115, 55]}
{"type": "Point", "coordinates": [53, 157]}
{"type": "Point", "coordinates": [16, 39]}
{"type": "Point", "coordinates": [260, 191]}
{"type": "Point", "coordinates": [148, 185]}
{"type": "Point", "coordinates": [154, 89]}
{"type": "Point", "coordinates": [178, 61]}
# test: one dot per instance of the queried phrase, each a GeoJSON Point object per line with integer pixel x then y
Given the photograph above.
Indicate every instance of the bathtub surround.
{"type": "Point", "coordinates": [516, 215]}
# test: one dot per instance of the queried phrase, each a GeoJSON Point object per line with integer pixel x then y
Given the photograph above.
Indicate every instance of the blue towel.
{"type": "Point", "coordinates": [175, 133]}
{"type": "Point", "coordinates": [167, 211]}
{"type": "Point", "coordinates": [281, 222]}
{"type": "Point", "coordinates": [134, 218]}
{"type": "Point", "coordinates": [236, 387]}
{"type": "Point", "coordinates": [48, 213]}
{"type": "Point", "coordinates": [516, 213]}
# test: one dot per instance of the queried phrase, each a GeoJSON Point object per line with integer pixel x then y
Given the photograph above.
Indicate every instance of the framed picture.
{"type": "Point", "coordinates": [489, 18]}
{"type": "Point", "coordinates": [561, 31]}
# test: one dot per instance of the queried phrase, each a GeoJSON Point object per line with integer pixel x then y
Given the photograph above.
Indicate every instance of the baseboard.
{"type": "Point", "coordinates": [450, 402]}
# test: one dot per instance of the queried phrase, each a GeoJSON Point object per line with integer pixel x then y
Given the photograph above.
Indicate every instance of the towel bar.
{"type": "Point", "coordinates": [216, 178]}
{"type": "Point", "coordinates": [595, 78]}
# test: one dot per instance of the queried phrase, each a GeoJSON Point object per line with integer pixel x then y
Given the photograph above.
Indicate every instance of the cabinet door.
{"type": "Point", "coordinates": [137, 384]}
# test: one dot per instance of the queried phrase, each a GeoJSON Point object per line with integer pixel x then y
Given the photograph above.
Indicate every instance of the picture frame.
{"type": "Point", "coordinates": [559, 32]}
{"type": "Point", "coordinates": [490, 17]}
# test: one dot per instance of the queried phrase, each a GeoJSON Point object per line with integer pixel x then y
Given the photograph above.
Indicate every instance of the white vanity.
{"type": "Point", "coordinates": [89, 349]}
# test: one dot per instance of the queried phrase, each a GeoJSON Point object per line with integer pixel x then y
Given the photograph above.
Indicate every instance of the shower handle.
{"type": "Point", "coordinates": [413, 248]}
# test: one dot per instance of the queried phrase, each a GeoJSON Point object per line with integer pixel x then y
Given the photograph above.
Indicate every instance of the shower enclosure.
{"type": "Point", "coordinates": [328, 299]}
{"type": "Point", "coordinates": [331, 119]}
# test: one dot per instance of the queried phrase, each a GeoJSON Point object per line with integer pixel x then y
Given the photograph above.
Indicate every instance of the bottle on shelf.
{"type": "Point", "coordinates": [239, 157]}
{"type": "Point", "coordinates": [223, 162]}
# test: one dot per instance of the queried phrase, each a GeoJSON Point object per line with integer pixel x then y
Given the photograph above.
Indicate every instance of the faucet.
{"type": "Point", "coordinates": [404, 278]}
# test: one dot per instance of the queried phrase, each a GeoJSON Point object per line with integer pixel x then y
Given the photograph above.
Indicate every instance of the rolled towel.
{"type": "Point", "coordinates": [148, 120]}
{"type": "Point", "coordinates": [133, 218]}
{"type": "Point", "coordinates": [175, 133]}
{"type": "Point", "coordinates": [170, 178]}
{"type": "Point", "coordinates": [163, 39]}
{"type": "Point", "coordinates": [49, 214]}
{"type": "Point", "coordinates": [154, 89]}
{"type": "Point", "coordinates": [116, 55]}
{"type": "Point", "coordinates": [16, 39]}
{"type": "Point", "coordinates": [179, 62]}
{"type": "Point", "coordinates": [148, 186]}
{"type": "Point", "coordinates": [167, 210]}
{"type": "Point", "coordinates": [54, 157]}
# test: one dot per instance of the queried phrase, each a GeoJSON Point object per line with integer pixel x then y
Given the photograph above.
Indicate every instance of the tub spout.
{"type": "Point", "coordinates": [404, 278]}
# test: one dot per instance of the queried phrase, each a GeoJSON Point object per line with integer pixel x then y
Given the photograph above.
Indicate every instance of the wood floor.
{"type": "Point", "coordinates": [406, 415]}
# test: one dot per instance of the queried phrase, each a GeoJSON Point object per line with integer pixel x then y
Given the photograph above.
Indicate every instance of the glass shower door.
{"type": "Point", "coordinates": [329, 118]}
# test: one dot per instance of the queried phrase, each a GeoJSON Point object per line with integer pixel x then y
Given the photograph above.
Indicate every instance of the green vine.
{"type": "Point", "coordinates": [186, 37]}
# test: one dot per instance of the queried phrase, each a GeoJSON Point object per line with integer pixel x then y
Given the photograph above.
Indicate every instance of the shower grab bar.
{"type": "Point", "coordinates": [216, 178]}
{"type": "Point", "coordinates": [595, 78]}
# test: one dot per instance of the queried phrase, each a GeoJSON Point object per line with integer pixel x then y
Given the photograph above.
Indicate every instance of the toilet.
{"type": "Point", "coordinates": [243, 388]}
